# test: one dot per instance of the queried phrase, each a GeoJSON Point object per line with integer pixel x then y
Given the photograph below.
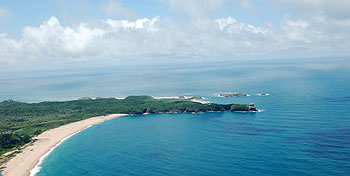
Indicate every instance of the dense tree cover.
{"type": "Point", "coordinates": [19, 121]}
{"type": "Point", "coordinates": [239, 107]}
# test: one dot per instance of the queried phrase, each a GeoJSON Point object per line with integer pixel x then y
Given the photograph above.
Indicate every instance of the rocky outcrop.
{"type": "Point", "coordinates": [85, 98]}
{"type": "Point", "coordinates": [243, 108]}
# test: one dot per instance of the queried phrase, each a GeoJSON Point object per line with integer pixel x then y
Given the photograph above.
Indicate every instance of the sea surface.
{"type": "Point", "coordinates": [303, 129]}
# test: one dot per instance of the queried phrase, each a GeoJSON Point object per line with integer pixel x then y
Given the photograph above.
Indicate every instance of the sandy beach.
{"type": "Point", "coordinates": [200, 101]}
{"type": "Point", "coordinates": [24, 162]}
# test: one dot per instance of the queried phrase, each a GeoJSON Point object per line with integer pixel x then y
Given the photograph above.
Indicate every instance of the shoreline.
{"type": "Point", "coordinates": [37, 167]}
{"type": "Point", "coordinates": [29, 160]}
{"type": "Point", "coordinates": [200, 101]}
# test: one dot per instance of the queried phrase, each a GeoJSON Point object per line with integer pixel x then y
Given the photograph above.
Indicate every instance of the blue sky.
{"type": "Point", "coordinates": [34, 12]}
{"type": "Point", "coordinates": [75, 31]}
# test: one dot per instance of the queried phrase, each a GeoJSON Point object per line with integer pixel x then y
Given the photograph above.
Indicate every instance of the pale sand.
{"type": "Point", "coordinates": [24, 162]}
{"type": "Point", "coordinates": [200, 101]}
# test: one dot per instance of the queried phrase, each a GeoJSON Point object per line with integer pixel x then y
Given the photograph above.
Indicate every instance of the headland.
{"type": "Point", "coordinates": [30, 130]}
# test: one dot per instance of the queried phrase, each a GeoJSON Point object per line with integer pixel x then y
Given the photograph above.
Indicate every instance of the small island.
{"type": "Point", "coordinates": [233, 95]}
{"type": "Point", "coordinates": [20, 122]}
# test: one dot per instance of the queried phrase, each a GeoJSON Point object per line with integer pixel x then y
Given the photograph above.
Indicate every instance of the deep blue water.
{"type": "Point", "coordinates": [304, 128]}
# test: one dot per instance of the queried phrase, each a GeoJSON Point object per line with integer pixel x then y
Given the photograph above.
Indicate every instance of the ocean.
{"type": "Point", "coordinates": [303, 128]}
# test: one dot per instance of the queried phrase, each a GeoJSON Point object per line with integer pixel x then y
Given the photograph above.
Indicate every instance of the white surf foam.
{"type": "Point", "coordinates": [262, 95]}
{"type": "Point", "coordinates": [37, 167]}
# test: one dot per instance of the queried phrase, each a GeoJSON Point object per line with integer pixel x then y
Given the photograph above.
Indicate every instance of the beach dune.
{"type": "Point", "coordinates": [24, 162]}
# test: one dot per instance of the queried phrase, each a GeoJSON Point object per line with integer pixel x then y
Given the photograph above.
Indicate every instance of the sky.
{"type": "Point", "coordinates": [51, 32]}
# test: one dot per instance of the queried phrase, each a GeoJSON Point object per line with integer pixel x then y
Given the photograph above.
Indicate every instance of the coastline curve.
{"type": "Point", "coordinates": [29, 160]}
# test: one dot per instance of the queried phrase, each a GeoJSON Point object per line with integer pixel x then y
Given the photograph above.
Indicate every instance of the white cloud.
{"type": "Point", "coordinates": [323, 24]}
{"type": "Point", "coordinates": [316, 32]}
{"type": "Point", "coordinates": [146, 23]}
{"type": "Point", "coordinates": [296, 31]}
{"type": "Point", "coordinates": [50, 42]}
{"type": "Point", "coordinates": [232, 26]}
{"type": "Point", "coordinates": [335, 9]}
{"type": "Point", "coordinates": [156, 38]}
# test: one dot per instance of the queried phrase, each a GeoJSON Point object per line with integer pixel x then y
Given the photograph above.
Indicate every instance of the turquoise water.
{"type": "Point", "coordinates": [304, 128]}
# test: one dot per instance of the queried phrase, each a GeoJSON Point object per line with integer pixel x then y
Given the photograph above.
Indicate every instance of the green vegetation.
{"type": "Point", "coordinates": [239, 107]}
{"type": "Point", "coordinates": [19, 121]}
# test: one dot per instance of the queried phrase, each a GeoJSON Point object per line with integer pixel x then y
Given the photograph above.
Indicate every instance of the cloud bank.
{"type": "Point", "coordinates": [324, 30]}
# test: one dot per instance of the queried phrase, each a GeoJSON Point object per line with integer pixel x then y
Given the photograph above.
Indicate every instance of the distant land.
{"type": "Point", "coordinates": [233, 95]}
{"type": "Point", "coordinates": [225, 95]}
{"type": "Point", "coordinates": [20, 122]}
